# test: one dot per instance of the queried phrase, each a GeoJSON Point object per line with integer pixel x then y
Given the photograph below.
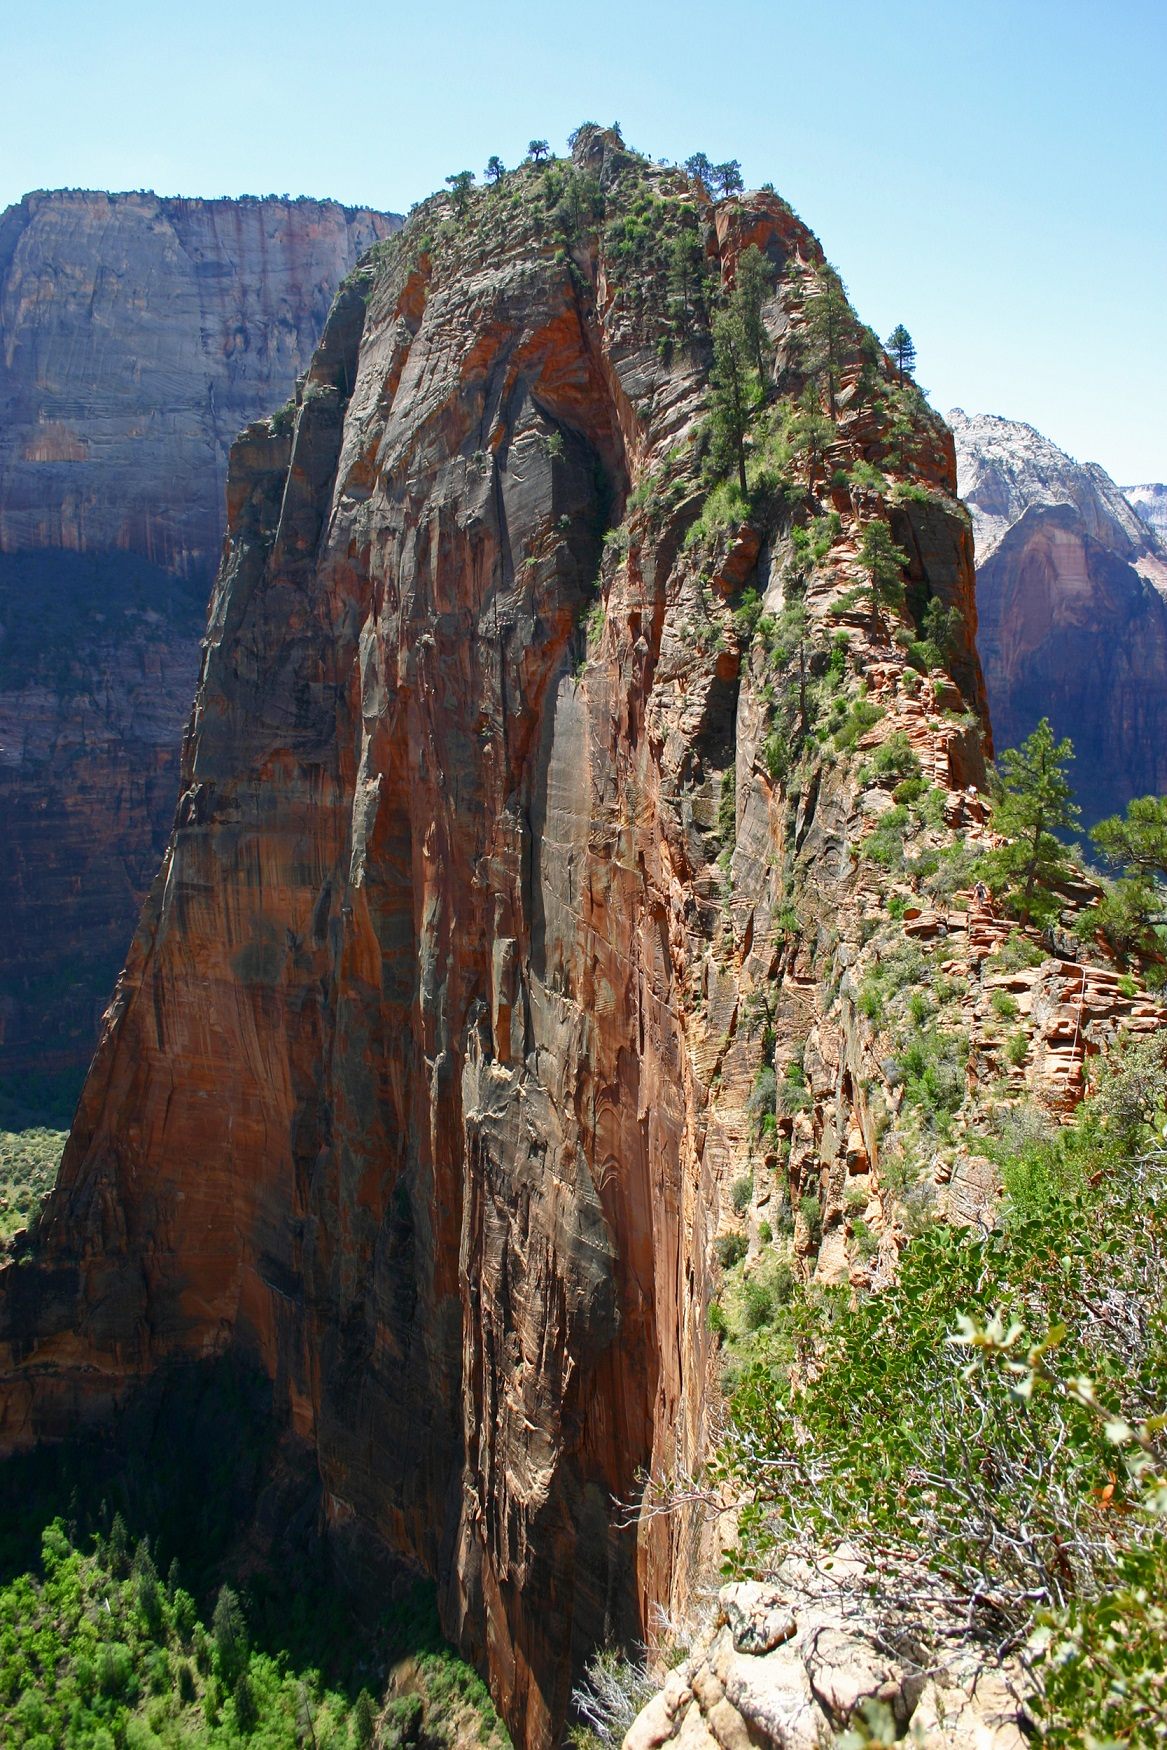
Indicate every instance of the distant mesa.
{"type": "Point", "coordinates": [138, 335]}
{"type": "Point", "coordinates": [1072, 603]}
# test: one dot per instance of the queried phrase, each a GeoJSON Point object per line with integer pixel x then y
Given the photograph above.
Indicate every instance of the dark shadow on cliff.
{"type": "Point", "coordinates": [198, 1465]}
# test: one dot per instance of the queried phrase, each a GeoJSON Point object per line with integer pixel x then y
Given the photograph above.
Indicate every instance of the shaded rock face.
{"type": "Point", "coordinates": [137, 336]}
{"type": "Point", "coordinates": [427, 1076]}
{"type": "Point", "coordinates": [1072, 598]}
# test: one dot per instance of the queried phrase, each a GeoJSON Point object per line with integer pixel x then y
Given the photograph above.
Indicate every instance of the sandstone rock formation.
{"type": "Point", "coordinates": [1151, 503]}
{"type": "Point", "coordinates": [1072, 597]}
{"type": "Point", "coordinates": [137, 336]}
{"type": "Point", "coordinates": [490, 894]}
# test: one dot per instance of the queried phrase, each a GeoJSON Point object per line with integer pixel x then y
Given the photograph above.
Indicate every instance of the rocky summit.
{"type": "Point", "coordinates": [573, 760]}
{"type": "Point", "coordinates": [137, 336]}
{"type": "Point", "coordinates": [1072, 597]}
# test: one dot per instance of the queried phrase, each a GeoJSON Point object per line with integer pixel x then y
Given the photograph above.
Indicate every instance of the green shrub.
{"type": "Point", "coordinates": [1017, 1049]}
{"type": "Point", "coordinates": [992, 1449]}
{"type": "Point", "coordinates": [742, 1193]}
{"type": "Point", "coordinates": [1004, 1005]}
{"type": "Point", "coordinates": [730, 1250]}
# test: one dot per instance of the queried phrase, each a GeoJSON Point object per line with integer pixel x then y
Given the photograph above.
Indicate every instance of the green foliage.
{"type": "Point", "coordinates": [742, 1193]}
{"type": "Point", "coordinates": [1032, 801]}
{"type": "Point", "coordinates": [884, 564]}
{"type": "Point", "coordinates": [827, 335]}
{"type": "Point", "coordinates": [460, 185]}
{"type": "Point", "coordinates": [884, 845]}
{"type": "Point", "coordinates": [862, 716]}
{"type": "Point", "coordinates": [892, 761]}
{"type": "Point", "coordinates": [1137, 841]}
{"type": "Point", "coordinates": [990, 1444]}
{"type": "Point", "coordinates": [902, 350]}
{"type": "Point", "coordinates": [730, 1250]}
{"type": "Point", "coordinates": [28, 1169]}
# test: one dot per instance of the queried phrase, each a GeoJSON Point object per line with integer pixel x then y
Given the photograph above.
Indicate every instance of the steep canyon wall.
{"type": "Point", "coordinates": [138, 335]}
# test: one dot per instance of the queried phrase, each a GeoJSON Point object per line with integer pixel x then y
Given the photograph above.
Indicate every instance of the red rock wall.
{"type": "Point", "coordinates": [429, 1064]}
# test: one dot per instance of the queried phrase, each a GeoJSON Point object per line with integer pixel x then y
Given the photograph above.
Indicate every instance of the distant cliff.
{"type": "Point", "coordinates": [1151, 503]}
{"type": "Point", "coordinates": [1072, 603]}
{"type": "Point", "coordinates": [137, 336]}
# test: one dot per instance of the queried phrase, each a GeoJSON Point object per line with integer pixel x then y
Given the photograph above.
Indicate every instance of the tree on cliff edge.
{"type": "Point", "coordinates": [495, 168]}
{"type": "Point", "coordinates": [537, 150]}
{"type": "Point", "coordinates": [1032, 801]}
{"type": "Point", "coordinates": [902, 349]}
{"type": "Point", "coordinates": [460, 185]}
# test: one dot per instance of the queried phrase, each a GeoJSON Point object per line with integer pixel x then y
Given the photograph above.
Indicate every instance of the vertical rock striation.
{"type": "Point", "coordinates": [1072, 594]}
{"type": "Point", "coordinates": [137, 336]}
{"type": "Point", "coordinates": [427, 1075]}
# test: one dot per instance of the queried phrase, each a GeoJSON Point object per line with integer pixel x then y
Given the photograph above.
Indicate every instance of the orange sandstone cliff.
{"type": "Point", "coordinates": [427, 1077]}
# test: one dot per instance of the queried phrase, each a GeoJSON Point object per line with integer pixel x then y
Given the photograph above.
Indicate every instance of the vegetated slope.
{"type": "Point", "coordinates": [563, 829]}
{"type": "Point", "coordinates": [1072, 598]}
{"type": "Point", "coordinates": [137, 336]}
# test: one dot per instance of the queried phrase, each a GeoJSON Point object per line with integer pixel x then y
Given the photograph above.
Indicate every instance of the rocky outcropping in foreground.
{"type": "Point", "coordinates": [1072, 599]}
{"type": "Point", "coordinates": [793, 1662]}
{"type": "Point", "coordinates": [137, 336]}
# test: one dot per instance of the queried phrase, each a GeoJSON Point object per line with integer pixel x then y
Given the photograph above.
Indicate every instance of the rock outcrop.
{"type": "Point", "coordinates": [1151, 503]}
{"type": "Point", "coordinates": [427, 1077]}
{"type": "Point", "coordinates": [137, 336]}
{"type": "Point", "coordinates": [1072, 598]}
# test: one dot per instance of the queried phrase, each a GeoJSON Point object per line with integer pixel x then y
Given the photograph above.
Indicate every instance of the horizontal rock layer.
{"type": "Point", "coordinates": [137, 336]}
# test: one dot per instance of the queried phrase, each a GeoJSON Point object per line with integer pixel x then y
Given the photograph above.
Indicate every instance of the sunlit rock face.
{"type": "Point", "coordinates": [137, 336]}
{"type": "Point", "coordinates": [427, 1078]}
{"type": "Point", "coordinates": [1072, 600]}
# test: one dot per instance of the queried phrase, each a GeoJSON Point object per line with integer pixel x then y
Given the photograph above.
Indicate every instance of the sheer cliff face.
{"type": "Point", "coordinates": [427, 1076]}
{"type": "Point", "coordinates": [137, 336]}
{"type": "Point", "coordinates": [1072, 595]}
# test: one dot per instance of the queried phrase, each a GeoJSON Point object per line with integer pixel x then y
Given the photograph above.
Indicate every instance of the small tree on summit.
{"type": "Point", "coordinates": [699, 169]}
{"type": "Point", "coordinates": [728, 177]}
{"type": "Point", "coordinates": [460, 185]}
{"type": "Point", "coordinates": [538, 150]}
{"type": "Point", "coordinates": [495, 168]}
{"type": "Point", "coordinates": [902, 349]}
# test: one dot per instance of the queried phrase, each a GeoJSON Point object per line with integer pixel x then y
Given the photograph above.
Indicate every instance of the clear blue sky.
{"type": "Point", "coordinates": [990, 172]}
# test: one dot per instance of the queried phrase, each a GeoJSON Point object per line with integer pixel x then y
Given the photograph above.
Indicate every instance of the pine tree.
{"type": "Point", "coordinates": [884, 564]}
{"type": "Point", "coordinates": [810, 432]}
{"type": "Point", "coordinates": [727, 177]}
{"type": "Point", "coordinates": [752, 284]}
{"type": "Point", "coordinates": [699, 169]}
{"type": "Point", "coordinates": [827, 326]}
{"type": "Point", "coordinates": [229, 1628]}
{"type": "Point", "coordinates": [460, 186]}
{"type": "Point", "coordinates": [732, 395]}
{"type": "Point", "coordinates": [495, 168]}
{"type": "Point", "coordinates": [1032, 801]}
{"type": "Point", "coordinates": [900, 346]}
{"type": "Point", "coordinates": [538, 150]}
{"type": "Point", "coordinates": [1136, 842]}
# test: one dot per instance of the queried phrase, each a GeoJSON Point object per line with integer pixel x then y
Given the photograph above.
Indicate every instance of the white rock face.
{"type": "Point", "coordinates": [1151, 503]}
{"type": "Point", "coordinates": [1072, 607]}
{"type": "Point", "coordinates": [1004, 467]}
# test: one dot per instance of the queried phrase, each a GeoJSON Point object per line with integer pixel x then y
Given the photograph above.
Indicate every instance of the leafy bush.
{"type": "Point", "coordinates": [730, 1250]}
{"type": "Point", "coordinates": [742, 1192]}
{"type": "Point", "coordinates": [1017, 1491]}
